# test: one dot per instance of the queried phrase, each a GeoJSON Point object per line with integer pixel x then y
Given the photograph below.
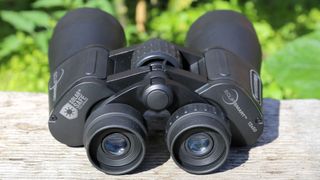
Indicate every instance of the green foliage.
{"type": "Point", "coordinates": [173, 25]}
{"type": "Point", "coordinates": [290, 55]}
{"type": "Point", "coordinates": [26, 69]}
{"type": "Point", "coordinates": [295, 69]}
{"type": "Point", "coordinates": [23, 54]}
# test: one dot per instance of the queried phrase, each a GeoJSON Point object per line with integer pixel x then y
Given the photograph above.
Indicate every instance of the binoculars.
{"type": "Point", "coordinates": [108, 97]}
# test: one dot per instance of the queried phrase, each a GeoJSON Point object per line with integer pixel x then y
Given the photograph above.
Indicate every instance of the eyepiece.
{"type": "Point", "coordinates": [198, 138]}
{"type": "Point", "coordinates": [114, 138]}
{"type": "Point", "coordinates": [199, 144]}
{"type": "Point", "coordinates": [116, 144]}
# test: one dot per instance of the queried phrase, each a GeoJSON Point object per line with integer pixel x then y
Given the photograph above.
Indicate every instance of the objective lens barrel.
{"type": "Point", "coordinates": [83, 28]}
{"type": "Point", "coordinates": [228, 30]}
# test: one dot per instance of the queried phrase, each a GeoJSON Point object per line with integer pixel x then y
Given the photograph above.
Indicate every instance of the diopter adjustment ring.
{"type": "Point", "coordinates": [156, 50]}
{"type": "Point", "coordinates": [192, 119]}
{"type": "Point", "coordinates": [200, 108]}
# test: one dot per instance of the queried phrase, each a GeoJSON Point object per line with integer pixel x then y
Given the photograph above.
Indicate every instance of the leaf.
{"type": "Point", "coordinates": [18, 21]}
{"type": "Point", "coordinates": [8, 45]}
{"type": "Point", "coordinates": [42, 39]}
{"type": "Point", "coordinates": [296, 67]}
{"type": "Point", "coordinates": [39, 18]}
{"type": "Point", "coordinates": [48, 3]}
{"type": "Point", "coordinates": [58, 14]}
{"type": "Point", "coordinates": [103, 5]}
{"type": "Point", "coordinates": [179, 5]}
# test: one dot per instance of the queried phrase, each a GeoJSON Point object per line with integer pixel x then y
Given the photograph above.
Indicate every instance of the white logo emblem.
{"type": "Point", "coordinates": [55, 81]}
{"type": "Point", "coordinates": [71, 109]}
{"type": "Point", "coordinates": [69, 112]}
{"type": "Point", "coordinates": [230, 97]}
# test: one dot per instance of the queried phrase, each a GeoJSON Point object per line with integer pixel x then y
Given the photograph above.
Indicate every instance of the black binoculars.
{"type": "Point", "coordinates": [107, 97]}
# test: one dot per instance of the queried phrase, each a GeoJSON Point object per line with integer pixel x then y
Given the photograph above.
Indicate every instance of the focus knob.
{"type": "Point", "coordinates": [155, 50]}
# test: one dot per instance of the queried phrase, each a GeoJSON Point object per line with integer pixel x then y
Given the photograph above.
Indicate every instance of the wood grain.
{"type": "Point", "coordinates": [288, 149]}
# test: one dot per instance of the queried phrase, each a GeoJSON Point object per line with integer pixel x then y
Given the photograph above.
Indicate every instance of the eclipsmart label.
{"type": "Point", "coordinates": [230, 97]}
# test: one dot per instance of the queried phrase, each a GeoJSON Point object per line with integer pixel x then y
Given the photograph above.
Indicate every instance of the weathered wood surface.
{"type": "Point", "coordinates": [288, 149]}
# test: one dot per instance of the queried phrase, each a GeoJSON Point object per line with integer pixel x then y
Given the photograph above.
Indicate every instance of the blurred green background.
{"type": "Point", "coordinates": [289, 32]}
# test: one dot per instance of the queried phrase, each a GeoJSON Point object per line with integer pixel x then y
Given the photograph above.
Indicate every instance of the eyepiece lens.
{"type": "Point", "coordinates": [116, 144]}
{"type": "Point", "coordinates": [199, 144]}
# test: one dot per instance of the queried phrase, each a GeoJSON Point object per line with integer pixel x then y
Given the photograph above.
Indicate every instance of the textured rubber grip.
{"type": "Point", "coordinates": [194, 108]}
{"type": "Point", "coordinates": [153, 50]}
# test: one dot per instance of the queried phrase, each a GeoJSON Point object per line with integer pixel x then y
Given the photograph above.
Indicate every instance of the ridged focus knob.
{"type": "Point", "coordinates": [155, 50]}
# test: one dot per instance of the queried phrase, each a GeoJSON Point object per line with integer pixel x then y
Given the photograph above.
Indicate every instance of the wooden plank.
{"type": "Point", "coordinates": [288, 149]}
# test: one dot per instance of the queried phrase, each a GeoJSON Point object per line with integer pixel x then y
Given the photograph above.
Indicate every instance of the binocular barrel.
{"type": "Point", "coordinates": [109, 113]}
{"type": "Point", "coordinates": [83, 28]}
{"type": "Point", "coordinates": [228, 30]}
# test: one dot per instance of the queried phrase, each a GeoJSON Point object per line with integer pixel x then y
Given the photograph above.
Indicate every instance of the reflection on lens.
{"type": "Point", "coordinates": [199, 144]}
{"type": "Point", "coordinates": [116, 144]}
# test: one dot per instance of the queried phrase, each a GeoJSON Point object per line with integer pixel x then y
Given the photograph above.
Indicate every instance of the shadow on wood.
{"type": "Point", "coordinates": [157, 153]}
{"type": "Point", "coordinates": [286, 150]}
{"type": "Point", "coordinates": [239, 155]}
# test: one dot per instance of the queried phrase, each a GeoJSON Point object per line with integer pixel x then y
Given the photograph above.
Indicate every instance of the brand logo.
{"type": "Point", "coordinates": [69, 112]}
{"type": "Point", "coordinates": [71, 108]}
{"type": "Point", "coordinates": [55, 81]}
{"type": "Point", "coordinates": [230, 97]}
